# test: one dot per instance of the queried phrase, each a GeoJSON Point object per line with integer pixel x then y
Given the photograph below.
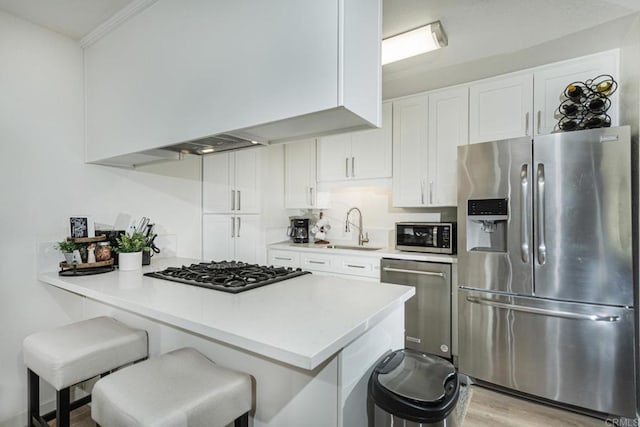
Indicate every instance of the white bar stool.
{"type": "Point", "coordinates": [177, 389]}
{"type": "Point", "coordinates": [75, 353]}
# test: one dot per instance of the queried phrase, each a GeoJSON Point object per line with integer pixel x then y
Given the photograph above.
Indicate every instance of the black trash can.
{"type": "Point", "coordinates": [409, 387]}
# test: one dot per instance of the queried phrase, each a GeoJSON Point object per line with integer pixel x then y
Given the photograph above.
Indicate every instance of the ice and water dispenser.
{"type": "Point", "coordinates": [487, 225]}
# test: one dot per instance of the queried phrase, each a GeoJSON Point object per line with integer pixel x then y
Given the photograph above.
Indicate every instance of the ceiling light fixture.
{"type": "Point", "coordinates": [413, 42]}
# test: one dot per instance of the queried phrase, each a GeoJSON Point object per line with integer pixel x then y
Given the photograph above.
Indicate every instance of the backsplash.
{"type": "Point", "coordinates": [378, 216]}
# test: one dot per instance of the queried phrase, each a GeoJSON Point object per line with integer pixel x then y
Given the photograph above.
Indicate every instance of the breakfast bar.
{"type": "Point", "coordinates": [309, 342]}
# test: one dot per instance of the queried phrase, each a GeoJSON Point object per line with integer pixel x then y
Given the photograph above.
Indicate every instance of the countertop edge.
{"type": "Point", "coordinates": [304, 361]}
{"type": "Point", "coordinates": [387, 252]}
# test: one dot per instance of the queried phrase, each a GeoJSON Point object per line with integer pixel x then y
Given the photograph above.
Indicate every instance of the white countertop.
{"type": "Point", "coordinates": [301, 321]}
{"type": "Point", "coordinates": [380, 253]}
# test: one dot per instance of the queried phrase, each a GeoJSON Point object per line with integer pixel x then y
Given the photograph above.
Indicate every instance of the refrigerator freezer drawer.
{"type": "Point", "coordinates": [576, 354]}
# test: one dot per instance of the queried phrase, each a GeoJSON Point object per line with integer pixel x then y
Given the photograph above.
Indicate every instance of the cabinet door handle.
{"type": "Point", "coordinates": [346, 167]}
{"type": "Point", "coordinates": [311, 261]}
{"type": "Point", "coordinates": [526, 123]}
{"type": "Point", "coordinates": [239, 225]}
{"type": "Point", "coordinates": [311, 196]}
{"type": "Point", "coordinates": [539, 120]}
{"type": "Point", "coordinates": [281, 258]}
{"type": "Point", "coordinates": [422, 192]}
{"type": "Point", "coordinates": [239, 199]}
{"type": "Point", "coordinates": [353, 167]}
{"type": "Point", "coordinates": [233, 227]}
{"type": "Point", "coordinates": [233, 200]}
{"type": "Point", "coordinates": [356, 266]}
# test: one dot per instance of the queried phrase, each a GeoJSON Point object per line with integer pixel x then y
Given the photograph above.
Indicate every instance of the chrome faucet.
{"type": "Point", "coordinates": [362, 239]}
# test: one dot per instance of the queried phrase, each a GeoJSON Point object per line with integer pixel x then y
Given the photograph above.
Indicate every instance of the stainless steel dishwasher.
{"type": "Point", "coordinates": [428, 314]}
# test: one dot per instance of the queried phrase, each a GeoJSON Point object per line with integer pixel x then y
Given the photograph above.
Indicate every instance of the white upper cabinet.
{"type": "Point", "coordinates": [230, 181]}
{"type": "Point", "coordinates": [500, 108]}
{"type": "Point", "coordinates": [410, 139]}
{"type": "Point", "coordinates": [334, 157]}
{"type": "Point", "coordinates": [266, 71]}
{"type": "Point", "coordinates": [526, 104]}
{"type": "Point", "coordinates": [300, 174]}
{"type": "Point", "coordinates": [448, 128]}
{"type": "Point", "coordinates": [357, 155]}
{"type": "Point", "coordinates": [427, 129]}
{"type": "Point", "coordinates": [550, 82]}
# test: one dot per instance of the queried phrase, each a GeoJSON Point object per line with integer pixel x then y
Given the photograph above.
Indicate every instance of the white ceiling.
{"type": "Point", "coordinates": [73, 18]}
{"type": "Point", "coordinates": [475, 28]}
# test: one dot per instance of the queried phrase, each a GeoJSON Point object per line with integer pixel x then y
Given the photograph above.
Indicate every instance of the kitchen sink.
{"type": "Point", "coordinates": [356, 248]}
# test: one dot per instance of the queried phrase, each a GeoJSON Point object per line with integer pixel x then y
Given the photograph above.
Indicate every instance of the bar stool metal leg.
{"type": "Point", "coordinates": [33, 397]}
{"type": "Point", "coordinates": [243, 421]}
{"type": "Point", "coordinates": [62, 407]}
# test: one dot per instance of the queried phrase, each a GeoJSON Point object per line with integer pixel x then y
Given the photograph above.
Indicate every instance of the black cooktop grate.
{"type": "Point", "coordinates": [227, 276]}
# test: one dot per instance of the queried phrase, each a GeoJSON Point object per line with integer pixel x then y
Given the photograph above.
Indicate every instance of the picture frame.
{"type": "Point", "coordinates": [82, 226]}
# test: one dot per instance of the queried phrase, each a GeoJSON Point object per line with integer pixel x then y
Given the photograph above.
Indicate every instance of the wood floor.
{"type": "Point", "coordinates": [486, 408]}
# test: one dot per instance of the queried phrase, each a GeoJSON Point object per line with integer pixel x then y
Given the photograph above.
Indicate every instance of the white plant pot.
{"type": "Point", "coordinates": [130, 261]}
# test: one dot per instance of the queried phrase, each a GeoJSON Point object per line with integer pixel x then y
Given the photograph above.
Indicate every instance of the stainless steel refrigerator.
{"type": "Point", "coordinates": [545, 267]}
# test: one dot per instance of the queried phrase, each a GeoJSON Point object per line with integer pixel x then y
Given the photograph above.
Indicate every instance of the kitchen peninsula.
{"type": "Point", "coordinates": [309, 342]}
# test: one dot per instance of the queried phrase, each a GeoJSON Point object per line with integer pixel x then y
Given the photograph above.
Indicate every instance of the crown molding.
{"type": "Point", "coordinates": [115, 21]}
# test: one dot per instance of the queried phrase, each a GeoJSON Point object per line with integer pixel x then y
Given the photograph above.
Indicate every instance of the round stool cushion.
{"type": "Point", "coordinates": [76, 352]}
{"type": "Point", "coordinates": [180, 388]}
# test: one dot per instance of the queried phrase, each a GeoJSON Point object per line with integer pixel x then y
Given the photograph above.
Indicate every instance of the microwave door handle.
{"type": "Point", "coordinates": [524, 213]}
{"type": "Point", "coordinates": [435, 237]}
{"type": "Point", "coordinates": [542, 247]}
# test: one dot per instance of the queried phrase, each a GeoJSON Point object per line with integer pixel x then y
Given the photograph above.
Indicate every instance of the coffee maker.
{"type": "Point", "coordinates": [299, 230]}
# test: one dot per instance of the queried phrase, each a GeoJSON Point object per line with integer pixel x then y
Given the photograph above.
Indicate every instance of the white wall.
{"type": "Point", "coordinates": [43, 181]}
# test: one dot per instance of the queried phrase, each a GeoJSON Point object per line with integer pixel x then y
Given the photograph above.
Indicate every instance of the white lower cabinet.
{"type": "Point", "coordinates": [326, 263]}
{"type": "Point", "coordinates": [230, 237]}
{"type": "Point", "coordinates": [284, 258]}
{"type": "Point", "coordinates": [360, 266]}
{"type": "Point", "coordinates": [317, 262]}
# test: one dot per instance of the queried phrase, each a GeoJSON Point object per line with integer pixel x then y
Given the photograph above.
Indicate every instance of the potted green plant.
{"type": "Point", "coordinates": [129, 251]}
{"type": "Point", "coordinates": [67, 247]}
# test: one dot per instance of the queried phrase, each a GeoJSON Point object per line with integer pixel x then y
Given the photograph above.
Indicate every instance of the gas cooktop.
{"type": "Point", "coordinates": [227, 276]}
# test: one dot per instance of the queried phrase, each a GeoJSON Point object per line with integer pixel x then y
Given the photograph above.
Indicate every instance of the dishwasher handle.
{"type": "Point", "coordinates": [404, 270]}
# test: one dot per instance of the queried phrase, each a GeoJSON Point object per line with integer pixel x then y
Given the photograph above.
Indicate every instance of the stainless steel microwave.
{"type": "Point", "coordinates": [432, 237]}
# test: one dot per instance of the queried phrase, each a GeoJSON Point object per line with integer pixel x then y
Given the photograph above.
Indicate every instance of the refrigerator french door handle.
{"type": "Point", "coordinates": [402, 270]}
{"type": "Point", "coordinates": [543, 311]}
{"type": "Point", "coordinates": [542, 247]}
{"type": "Point", "coordinates": [524, 213]}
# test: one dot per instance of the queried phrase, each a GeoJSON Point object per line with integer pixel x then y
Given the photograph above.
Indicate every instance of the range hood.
{"type": "Point", "coordinates": [198, 147]}
{"type": "Point", "coordinates": [212, 144]}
